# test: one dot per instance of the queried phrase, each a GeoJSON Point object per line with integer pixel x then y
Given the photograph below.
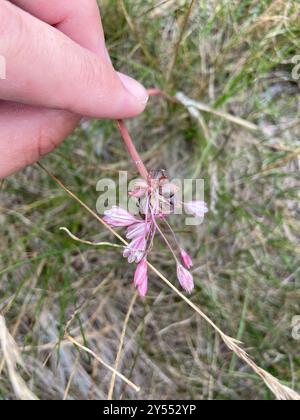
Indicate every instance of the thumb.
{"type": "Point", "coordinates": [46, 68]}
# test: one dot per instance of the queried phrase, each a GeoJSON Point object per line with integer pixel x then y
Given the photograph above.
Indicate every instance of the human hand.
{"type": "Point", "coordinates": [57, 70]}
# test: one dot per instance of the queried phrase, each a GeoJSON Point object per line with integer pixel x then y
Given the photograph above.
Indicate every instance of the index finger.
{"type": "Point", "coordinates": [78, 19]}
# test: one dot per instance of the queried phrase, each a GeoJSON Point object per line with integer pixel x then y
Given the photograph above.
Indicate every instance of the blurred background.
{"type": "Point", "coordinates": [239, 58]}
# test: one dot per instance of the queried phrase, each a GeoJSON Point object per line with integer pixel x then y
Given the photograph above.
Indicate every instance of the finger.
{"type": "Point", "coordinates": [53, 71]}
{"type": "Point", "coordinates": [79, 19]}
{"type": "Point", "coordinates": [37, 132]}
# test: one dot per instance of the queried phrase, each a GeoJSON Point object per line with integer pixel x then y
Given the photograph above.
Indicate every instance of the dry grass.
{"type": "Point", "coordinates": [12, 358]}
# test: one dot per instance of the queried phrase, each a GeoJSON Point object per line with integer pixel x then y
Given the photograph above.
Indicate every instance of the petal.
{"type": "Point", "coordinates": [143, 289]}
{"type": "Point", "coordinates": [186, 259]}
{"type": "Point", "coordinates": [135, 250]}
{"type": "Point", "coordinates": [141, 273]}
{"type": "Point", "coordinates": [185, 278]}
{"type": "Point", "coordinates": [140, 228]}
{"type": "Point", "coordinates": [118, 217]}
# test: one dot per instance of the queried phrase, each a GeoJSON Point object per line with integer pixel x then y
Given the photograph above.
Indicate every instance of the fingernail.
{"type": "Point", "coordinates": [135, 88]}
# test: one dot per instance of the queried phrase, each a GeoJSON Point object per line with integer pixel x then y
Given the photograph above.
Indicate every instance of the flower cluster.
{"type": "Point", "coordinates": [156, 200]}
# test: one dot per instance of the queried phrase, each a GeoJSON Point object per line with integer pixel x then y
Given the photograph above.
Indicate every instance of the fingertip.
{"type": "Point", "coordinates": [136, 89]}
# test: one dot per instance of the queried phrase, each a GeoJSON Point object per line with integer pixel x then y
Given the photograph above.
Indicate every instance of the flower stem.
{"type": "Point", "coordinates": [164, 237]}
{"type": "Point", "coordinates": [162, 94]}
{"type": "Point", "coordinates": [132, 150]}
{"type": "Point", "coordinates": [128, 140]}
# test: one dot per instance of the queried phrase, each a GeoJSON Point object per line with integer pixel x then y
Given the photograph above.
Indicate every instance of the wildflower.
{"type": "Point", "coordinates": [197, 208]}
{"type": "Point", "coordinates": [141, 277]}
{"type": "Point", "coordinates": [186, 259]}
{"type": "Point", "coordinates": [135, 251]}
{"type": "Point", "coordinates": [185, 278]}
{"type": "Point", "coordinates": [156, 201]}
{"type": "Point", "coordinates": [118, 217]}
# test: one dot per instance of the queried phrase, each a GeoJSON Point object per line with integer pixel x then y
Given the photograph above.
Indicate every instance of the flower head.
{"type": "Point", "coordinates": [141, 277]}
{"type": "Point", "coordinates": [186, 259]}
{"type": "Point", "coordinates": [185, 278]}
{"type": "Point", "coordinates": [156, 200]}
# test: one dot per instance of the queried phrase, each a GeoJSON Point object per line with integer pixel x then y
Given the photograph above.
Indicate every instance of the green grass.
{"type": "Point", "coordinates": [234, 56]}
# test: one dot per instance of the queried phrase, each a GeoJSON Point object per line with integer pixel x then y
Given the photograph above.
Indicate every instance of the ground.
{"type": "Point", "coordinates": [237, 58]}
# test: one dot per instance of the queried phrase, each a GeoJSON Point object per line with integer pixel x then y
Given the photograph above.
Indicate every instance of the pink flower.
{"type": "Point", "coordinates": [197, 208]}
{"type": "Point", "coordinates": [186, 259]}
{"type": "Point", "coordinates": [140, 189]}
{"type": "Point", "coordinates": [155, 199]}
{"type": "Point", "coordinates": [135, 251]}
{"type": "Point", "coordinates": [185, 278]}
{"type": "Point", "coordinates": [141, 228]}
{"type": "Point", "coordinates": [141, 277]}
{"type": "Point", "coordinates": [118, 217]}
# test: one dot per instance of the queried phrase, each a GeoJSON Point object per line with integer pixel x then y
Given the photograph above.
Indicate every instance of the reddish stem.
{"type": "Point", "coordinates": [155, 92]}
{"type": "Point", "coordinates": [162, 94]}
{"type": "Point", "coordinates": [132, 150]}
{"type": "Point", "coordinates": [128, 140]}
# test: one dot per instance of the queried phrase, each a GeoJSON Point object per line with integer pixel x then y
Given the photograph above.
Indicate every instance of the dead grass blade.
{"type": "Point", "coordinates": [136, 32]}
{"type": "Point", "coordinates": [281, 162]}
{"type": "Point", "coordinates": [13, 358]}
{"type": "Point", "coordinates": [97, 244]}
{"type": "Point", "coordinates": [178, 43]}
{"type": "Point", "coordinates": [119, 354]}
{"type": "Point", "coordinates": [102, 362]}
{"type": "Point", "coordinates": [196, 106]}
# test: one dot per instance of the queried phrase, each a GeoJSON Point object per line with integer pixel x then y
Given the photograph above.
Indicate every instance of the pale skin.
{"type": "Point", "coordinates": [57, 70]}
